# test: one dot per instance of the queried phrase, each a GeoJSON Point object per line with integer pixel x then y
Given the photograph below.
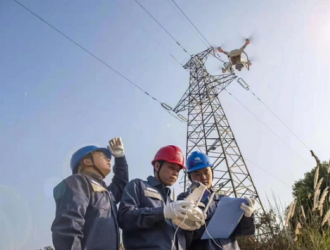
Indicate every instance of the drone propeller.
{"type": "Point", "coordinates": [252, 61]}
{"type": "Point", "coordinates": [248, 39]}
{"type": "Point", "coordinates": [216, 46]}
{"type": "Point", "coordinates": [216, 51]}
{"type": "Point", "coordinates": [251, 37]}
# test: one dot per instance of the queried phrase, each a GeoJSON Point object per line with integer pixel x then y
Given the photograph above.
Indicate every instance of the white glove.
{"type": "Point", "coordinates": [248, 210]}
{"type": "Point", "coordinates": [193, 220]}
{"type": "Point", "coordinates": [176, 209]}
{"type": "Point", "coordinates": [196, 214]}
{"type": "Point", "coordinates": [186, 224]}
{"type": "Point", "coordinates": [116, 147]}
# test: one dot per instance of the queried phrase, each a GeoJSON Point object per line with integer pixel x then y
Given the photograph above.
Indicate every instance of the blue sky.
{"type": "Point", "coordinates": [54, 97]}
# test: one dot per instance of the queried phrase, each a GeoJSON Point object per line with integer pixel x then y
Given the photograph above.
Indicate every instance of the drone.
{"type": "Point", "coordinates": [235, 59]}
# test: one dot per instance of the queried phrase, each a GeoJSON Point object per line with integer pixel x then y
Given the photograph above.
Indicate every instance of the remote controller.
{"type": "Point", "coordinates": [197, 190]}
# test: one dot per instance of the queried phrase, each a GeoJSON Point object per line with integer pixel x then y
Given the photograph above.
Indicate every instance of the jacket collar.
{"type": "Point", "coordinates": [156, 183]}
{"type": "Point", "coordinates": [153, 181]}
{"type": "Point", "coordinates": [94, 176]}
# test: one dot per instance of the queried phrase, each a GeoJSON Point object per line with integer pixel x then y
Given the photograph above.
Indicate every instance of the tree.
{"type": "Point", "coordinates": [308, 191]}
{"type": "Point", "coordinates": [303, 189]}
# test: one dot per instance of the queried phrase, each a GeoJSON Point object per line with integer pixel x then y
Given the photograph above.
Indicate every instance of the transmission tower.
{"type": "Point", "coordinates": [208, 130]}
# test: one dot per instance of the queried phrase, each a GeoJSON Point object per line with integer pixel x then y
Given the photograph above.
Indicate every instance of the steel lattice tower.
{"type": "Point", "coordinates": [208, 130]}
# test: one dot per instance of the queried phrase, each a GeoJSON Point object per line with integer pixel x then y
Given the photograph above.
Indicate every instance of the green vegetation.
{"type": "Point", "coordinates": [307, 219]}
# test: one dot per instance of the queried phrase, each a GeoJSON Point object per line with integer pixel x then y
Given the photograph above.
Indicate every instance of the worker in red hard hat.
{"type": "Point", "coordinates": [146, 212]}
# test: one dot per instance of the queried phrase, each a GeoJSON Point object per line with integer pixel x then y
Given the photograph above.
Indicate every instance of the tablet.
{"type": "Point", "coordinates": [225, 218]}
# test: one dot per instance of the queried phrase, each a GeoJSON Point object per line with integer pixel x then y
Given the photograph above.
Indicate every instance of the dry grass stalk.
{"type": "Point", "coordinates": [298, 227]}
{"type": "Point", "coordinates": [303, 212]}
{"type": "Point", "coordinates": [316, 158]}
{"type": "Point", "coordinates": [291, 212]}
{"type": "Point", "coordinates": [326, 218]}
{"type": "Point", "coordinates": [297, 231]}
{"type": "Point", "coordinates": [296, 239]}
{"type": "Point", "coordinates": [317, 193]}
{"type": "Point", "coordinates": [294, 208]}
{"type": "Point", "coordinates": [322, 200]}
{"type": "Point", "coordinates": [319, 184]}
{"type": "Point", "coordinates": [316, 177]}
{"type": "Point", "coordinates": [316, 199]}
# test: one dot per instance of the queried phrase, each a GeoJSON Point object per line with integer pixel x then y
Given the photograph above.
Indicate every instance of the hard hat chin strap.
{"type": "Point", "coordinates": [189, 175]}
{"type": "Point", "coordinates": [95, 167]}
{"type": "Point", "coordinates": [160, 167]}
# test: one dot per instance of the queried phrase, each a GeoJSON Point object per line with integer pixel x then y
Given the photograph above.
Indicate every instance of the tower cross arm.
{"type": "Point", "coordinates": [183, 103]}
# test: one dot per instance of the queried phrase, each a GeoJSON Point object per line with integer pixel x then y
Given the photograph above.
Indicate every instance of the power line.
{"type": "Point", "coordinates": [266, 126]}
{"type": "Point", "coordinates": [163, 28]}
{"type": "Point", "coordinates": [279, 119]}
{"type": "Point", "coordinates": [269, 173]}
{"type": "Point", "coordinates": [188, 25]}
{"type": "Point", "coordinates": [219, 58]}
{"type": "Point", "coordinates": [191, 22]}
{"type": "Point", "coordinates": [147, 32]}
{"type": "Point", "coordinates": [97, 58]}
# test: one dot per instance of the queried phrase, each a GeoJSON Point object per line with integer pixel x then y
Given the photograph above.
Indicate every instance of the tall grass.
{"type": "Point", "coordinates": [301, 230]}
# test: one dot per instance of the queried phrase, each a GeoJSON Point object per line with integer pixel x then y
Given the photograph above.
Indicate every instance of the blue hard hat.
{"type": "Point", "coordinates": [197, 160]}
{"type": "Point", "coordinates": [82, 152]}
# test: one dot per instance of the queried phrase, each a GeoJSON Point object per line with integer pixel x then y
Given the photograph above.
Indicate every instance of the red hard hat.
{"type": "Point", "coordinates": [171, 154]}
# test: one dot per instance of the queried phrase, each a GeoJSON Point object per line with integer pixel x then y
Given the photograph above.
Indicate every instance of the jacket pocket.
{"type": "Point", "coordinates": [152, 199]}
{"type": "Point", "coordinates": [100, 198]}
{"type": "Point", "coordinates": [154, 195]}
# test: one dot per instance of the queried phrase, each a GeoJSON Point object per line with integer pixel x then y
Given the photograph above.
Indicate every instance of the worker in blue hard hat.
{"type": "Point", "coordinates": [200, 169]}
{"type": "Point", "coordinates": [86, 212]}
